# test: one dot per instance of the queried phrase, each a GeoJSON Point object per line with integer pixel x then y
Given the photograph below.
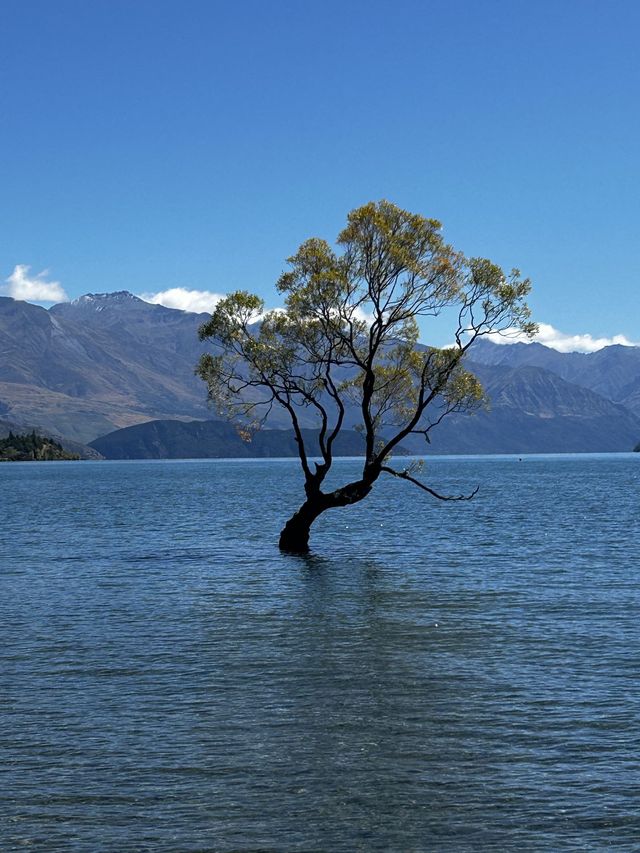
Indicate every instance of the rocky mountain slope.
{"type": "Point", "coordinates": [613, 372]}
{"type": "Point", "coordinates": [85, 368]}
{"type": "Point", "coordinates": [533, 410]}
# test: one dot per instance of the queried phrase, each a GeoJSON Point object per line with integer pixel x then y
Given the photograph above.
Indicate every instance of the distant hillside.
{"type": "Point", "coordinates": [106, 361]}
{"type": "Point", "coordinates": [211, 440]}
{"type": "Point", "coordinates": [85, 368]}
{"type": "Point", "coordinates": [535, 411]}
{"type": "Point", "coordinates": [613, 372]}
{"type": "Point", "coordinates": [532, 411]}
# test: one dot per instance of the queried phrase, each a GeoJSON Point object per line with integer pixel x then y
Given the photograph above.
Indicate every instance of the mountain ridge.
{"type": "Point", "coordinates": [613, 371]}
{"type": "Point", "coordinates": [104, 362]}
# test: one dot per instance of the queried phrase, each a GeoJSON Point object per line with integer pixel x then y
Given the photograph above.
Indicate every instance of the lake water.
{"type": "Point", "coordinates": [434, 677]}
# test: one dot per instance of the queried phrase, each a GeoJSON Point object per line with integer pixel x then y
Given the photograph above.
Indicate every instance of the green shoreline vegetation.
{"type": "Point", "coordinates": [32, 448]}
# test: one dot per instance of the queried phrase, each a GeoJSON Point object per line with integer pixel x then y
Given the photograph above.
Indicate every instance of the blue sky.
{"type": "Point", "coordinates": [154, 146]}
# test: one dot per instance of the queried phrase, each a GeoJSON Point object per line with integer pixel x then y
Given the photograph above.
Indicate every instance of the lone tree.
{"type": "Point", "coordinates": [348, 336]}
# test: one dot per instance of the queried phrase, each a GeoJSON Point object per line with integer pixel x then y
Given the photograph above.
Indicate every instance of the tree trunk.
{"type": "Point", "coordinates": [294, 538]}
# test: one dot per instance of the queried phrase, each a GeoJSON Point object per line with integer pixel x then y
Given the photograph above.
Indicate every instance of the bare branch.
{"type": "Point", "coordinates": [404, 475]}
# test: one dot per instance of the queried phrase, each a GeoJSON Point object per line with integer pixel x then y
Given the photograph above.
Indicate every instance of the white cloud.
{"type": "Point", "coordinates": [561, 341]}
{"type": "Point", "coordinates": [364, 316]}
{"type": "Point", "coordinates": [33, 288]}
{"type": "Point", "coordinates": [198, 301]}
{"type": "Point", "coordinates": [258, 318]}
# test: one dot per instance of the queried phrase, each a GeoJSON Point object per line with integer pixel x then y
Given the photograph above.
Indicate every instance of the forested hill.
{"type": "Point", "coordinates": [73, 448]}
{"type": "Point", "coordinates": [213, 440]}
{"type": "Point", "coordinates": [32, 448]}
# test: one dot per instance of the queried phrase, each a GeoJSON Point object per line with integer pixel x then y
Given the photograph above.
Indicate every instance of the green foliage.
{"type": "Point", "coordinates": [31, 447]}
{"type": "Point", "coordinates": [348, 333]}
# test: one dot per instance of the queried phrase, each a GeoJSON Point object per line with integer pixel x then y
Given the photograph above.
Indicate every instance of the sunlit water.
{"type": "Point", "coordinates": [435, 677]}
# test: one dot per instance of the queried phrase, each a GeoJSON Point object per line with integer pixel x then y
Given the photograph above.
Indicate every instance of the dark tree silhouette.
{"type": "Point", "coordinates": [349, 335]}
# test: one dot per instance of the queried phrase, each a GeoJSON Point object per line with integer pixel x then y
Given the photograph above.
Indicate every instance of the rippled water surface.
{"type": "Point", "coordinates": [435, 677]}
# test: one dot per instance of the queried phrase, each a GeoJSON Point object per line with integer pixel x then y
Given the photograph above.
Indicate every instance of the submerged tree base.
{"type": "Point", "coordinates": [294, 543]}
{"type": "Point", "coordinates": [294, 538]}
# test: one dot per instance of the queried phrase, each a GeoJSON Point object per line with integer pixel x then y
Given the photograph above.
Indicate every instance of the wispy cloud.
{"type": "Point", "coordinates": [198, 301]}
{"type": "Point", "coordinates": [33, 288]}
{"type": "Point", "coordinates": [551, 337]}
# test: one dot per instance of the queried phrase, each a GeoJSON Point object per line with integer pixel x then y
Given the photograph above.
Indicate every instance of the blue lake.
{"type": "Point", "coordinates": [434, 677]}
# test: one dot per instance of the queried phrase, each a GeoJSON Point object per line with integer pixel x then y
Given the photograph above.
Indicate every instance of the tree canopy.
{"type": "Point", "coordinates": [348, 337]}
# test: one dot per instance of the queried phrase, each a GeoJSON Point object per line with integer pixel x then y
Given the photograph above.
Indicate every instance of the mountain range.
{"type": "Point", "coordinates": [83, 369]}
{"type": "Point", "coordinates": [613, 372]}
